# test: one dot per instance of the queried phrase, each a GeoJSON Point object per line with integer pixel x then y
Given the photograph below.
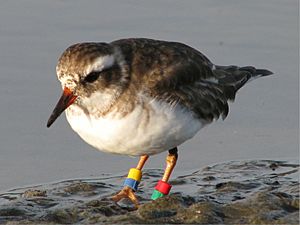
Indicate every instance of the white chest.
{"type": "Point", "coordinates": [148, 130]}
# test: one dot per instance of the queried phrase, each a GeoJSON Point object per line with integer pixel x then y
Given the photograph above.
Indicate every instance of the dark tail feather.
{"type": "Point", "coordinates": [233, 77]}
{"type": "Point", "coordinates": [256, 72]}
{"type": "Point", "coordinates": [264, 72]}
{"type": "Point", "coordinates": [250, 73]}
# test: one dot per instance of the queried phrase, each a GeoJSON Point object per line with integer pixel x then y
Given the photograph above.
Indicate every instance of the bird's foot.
{"type": "Point", "coordinates": [128, 193]}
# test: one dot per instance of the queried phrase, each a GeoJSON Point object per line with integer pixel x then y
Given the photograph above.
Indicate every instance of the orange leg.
{"type": "Point", "coordinates": [128, 192]}
{"type": "Point", "coordinates": [163, 187]}
{"type": "Point", "coordinates": [171, 163]}
{"type": "Point", "coordinates": [142, 162]}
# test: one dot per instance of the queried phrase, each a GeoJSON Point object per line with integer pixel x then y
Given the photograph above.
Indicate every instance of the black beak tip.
{"type": "Point", "coordinates": [52, 118]}
{"type": "Point", "coordinates": [49, 123]}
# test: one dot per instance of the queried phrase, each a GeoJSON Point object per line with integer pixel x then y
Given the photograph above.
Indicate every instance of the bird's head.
{"type": "Point", "coordinates": [92, 75]}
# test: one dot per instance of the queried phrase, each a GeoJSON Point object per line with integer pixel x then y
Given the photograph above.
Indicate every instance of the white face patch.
{"type": "Point", "coordinates": [68, 82]}
{"type": "Point", "coordinates": [101, 63]}
{"type": "Point", "coordinates": [99, 101]}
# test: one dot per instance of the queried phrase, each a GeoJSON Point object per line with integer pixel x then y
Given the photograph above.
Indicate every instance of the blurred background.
{"type": "Point", "coordinates": [263, 123]}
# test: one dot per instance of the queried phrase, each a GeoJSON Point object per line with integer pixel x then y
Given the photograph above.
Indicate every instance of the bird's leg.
{"type": "Point", "coordinates": [131, 183]}
{"type": "Point", "coordinates": [142, 162]}
{"type": "Point", "coordinates": [171, 162]}
{"type": "Point", "coordinates": [163, 187]}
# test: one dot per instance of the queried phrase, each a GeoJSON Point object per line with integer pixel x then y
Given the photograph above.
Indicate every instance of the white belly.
{"type": "Point", "coordinates": [140, 132]}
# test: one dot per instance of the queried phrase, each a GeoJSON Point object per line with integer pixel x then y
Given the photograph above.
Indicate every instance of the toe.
{"type": "Point", "coordinates": [126, 192]}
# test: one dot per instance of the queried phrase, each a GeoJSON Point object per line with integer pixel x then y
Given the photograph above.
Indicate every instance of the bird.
{"type": "Point", "coordinates": [140, 97]}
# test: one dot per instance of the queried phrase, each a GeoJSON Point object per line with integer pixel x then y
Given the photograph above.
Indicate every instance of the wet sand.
{"type": "Point", "coordinates": [262, 123]}
{"type": "Point", "coordinates": [241, 192]}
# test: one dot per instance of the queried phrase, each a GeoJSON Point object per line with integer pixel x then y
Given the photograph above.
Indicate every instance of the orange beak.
{"type": "Point", "coordinates": [64, 102]}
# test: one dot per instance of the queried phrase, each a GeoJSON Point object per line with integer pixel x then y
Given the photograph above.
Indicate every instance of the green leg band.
{"type": "Point", "coordinates": [156, 194]}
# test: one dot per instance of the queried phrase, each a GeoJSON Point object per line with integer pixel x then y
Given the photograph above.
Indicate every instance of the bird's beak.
{"type": "Point", "coordinates": [64, 102]}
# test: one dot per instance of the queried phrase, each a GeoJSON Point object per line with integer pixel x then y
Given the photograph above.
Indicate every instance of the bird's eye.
{"type": "Point", "coordinates": [92, 77]}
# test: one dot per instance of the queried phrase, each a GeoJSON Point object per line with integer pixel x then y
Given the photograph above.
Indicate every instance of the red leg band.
{"type": "Point", "coordinates": [163, 187]}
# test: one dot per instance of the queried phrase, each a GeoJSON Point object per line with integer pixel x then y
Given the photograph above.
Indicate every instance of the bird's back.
{"type": "Point", "coordinates": [178, 74]}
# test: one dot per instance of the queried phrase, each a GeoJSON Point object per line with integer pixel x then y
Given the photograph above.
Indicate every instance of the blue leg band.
{"type": "Point", "coordinates": [133, 184]}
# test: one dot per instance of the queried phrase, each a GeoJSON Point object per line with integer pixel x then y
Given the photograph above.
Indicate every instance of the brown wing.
{"type": "Point", "coordinates": [207, 95]}
{"type": "Point", "coordinates": [206, 99]}
{"type": "Point", "coordinates": [179, 74]}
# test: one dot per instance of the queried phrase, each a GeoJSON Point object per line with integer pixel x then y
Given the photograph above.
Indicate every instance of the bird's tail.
{"type": "Point", "coordinates": [234, 77]}
{"type": "Point", "coordinates": [254, 73]}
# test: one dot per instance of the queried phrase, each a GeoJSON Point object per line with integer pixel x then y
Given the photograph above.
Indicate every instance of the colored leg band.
{"type": "Point", "coordinates": [133, 179]}
{"type": "Point", "coordinates": [156, 194]}
{"type": "Point", "coordinates": [135, 174]}
{"type": "Point", "coordinates": [133, 184]}
{"type": "Point", "coordinates": [161, 189]}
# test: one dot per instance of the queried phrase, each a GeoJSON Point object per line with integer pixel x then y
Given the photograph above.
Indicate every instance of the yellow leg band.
{"type": "Point", "coordinates": [135, 174]}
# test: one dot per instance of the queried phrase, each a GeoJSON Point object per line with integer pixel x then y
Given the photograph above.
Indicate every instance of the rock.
{"type": "Point", "coordinates": [31, 193]}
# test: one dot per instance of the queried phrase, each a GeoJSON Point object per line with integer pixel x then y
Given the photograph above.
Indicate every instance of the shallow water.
{"type": "Point", "coordinates": [262, 124]}
{"type": "Point", "coordinates": [259, 192]}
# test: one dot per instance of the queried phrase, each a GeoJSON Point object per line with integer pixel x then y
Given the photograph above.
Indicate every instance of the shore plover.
{"type": "Point", "coordinates": [140, 97]}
